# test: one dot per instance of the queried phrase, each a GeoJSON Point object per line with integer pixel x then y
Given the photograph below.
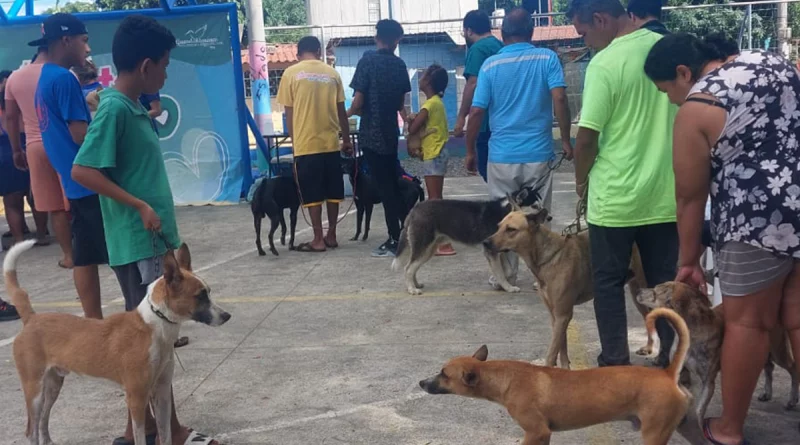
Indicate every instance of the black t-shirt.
{"type": "Point", "coordinates": [656, 27]}
{"type": "Point", "coordinates": [383, 79]}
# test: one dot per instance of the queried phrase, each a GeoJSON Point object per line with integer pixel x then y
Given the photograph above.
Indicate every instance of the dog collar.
{"type": "Point", "coordinates": [160, 314]}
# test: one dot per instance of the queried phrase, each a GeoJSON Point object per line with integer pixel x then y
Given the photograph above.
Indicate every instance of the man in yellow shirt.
{"type": "Point", "coordinates": [313, 96]}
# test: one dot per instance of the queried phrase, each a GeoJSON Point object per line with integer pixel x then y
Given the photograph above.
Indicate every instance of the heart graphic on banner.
{"type": "Point", "coordinates": [197, 174]}
{"type": "Point", "coordinates": [163, 118]}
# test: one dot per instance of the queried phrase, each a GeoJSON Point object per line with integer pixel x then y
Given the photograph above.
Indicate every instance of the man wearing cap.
{"type": "Point", "coordinates": [45, 185]}
{"type": "Point", "coordinates": [63, 119]}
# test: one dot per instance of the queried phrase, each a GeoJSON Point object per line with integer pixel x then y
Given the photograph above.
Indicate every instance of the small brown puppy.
{"type": "Point", "coordinates": [544, 400]}
{"type": "Point", "coordinates": [414, 141]}
{"type": "Point", "coordinates": [707, 326]}
{"type": "Point", "coordinates": [562, 267]}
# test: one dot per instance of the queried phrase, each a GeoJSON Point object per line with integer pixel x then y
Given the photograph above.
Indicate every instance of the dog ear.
{"type": "Point", "coordinates": [513, 202]}
{"type": "Point", "coordinates": [481, 354]}
{"type": "Point", "coordinates": [538, 216]}
{"type": "Point", "coordinates": [469, 378]}
{"type": "Point", "coordinates": [172, 271]}
{"type": "Point", "coordinates": [184, 257]}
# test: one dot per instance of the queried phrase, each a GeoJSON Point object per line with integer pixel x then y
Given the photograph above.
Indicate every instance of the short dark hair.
{"type": "Point", "coordinates": [478, 21]}
{"type": "Point", "coordinates": [438, 78]}
{"type": "Point", "coordinates": [309, 44]}
{"type": "Point", "coordinates": [688, 50]}
{"type": "Point", "coordinates": [388, 31]}
{"type": "Point", "coordinates": [645, 8]}
{"type": "Point", "coordinates": [583, 10]}
{"type": "Point", "coordinates": [518, 23]}
{"type": "Point", "coordinates": [3, 76]}
{"type": "Point", "coordinates": [138, 38]}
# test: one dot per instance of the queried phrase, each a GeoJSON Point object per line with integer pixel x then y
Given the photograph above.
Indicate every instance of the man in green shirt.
{"type": "Point", "coordinates": [121, 160]}
{"type": "Point", "coordinates": [623, 154]}
{"type": "Point", "coordinates": [481, 45]}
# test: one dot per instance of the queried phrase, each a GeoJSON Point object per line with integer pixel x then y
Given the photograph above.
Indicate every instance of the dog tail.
{"type": "Point", "coordinates": [19, 297]}
{"type": "Point", "coordinates": [675, 366]}
{"type": "Point", "coordinates": [402, 245]}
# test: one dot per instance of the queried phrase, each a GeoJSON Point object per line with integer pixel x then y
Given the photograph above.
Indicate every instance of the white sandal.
{"type": "Point", "coordinates": [196, 438]}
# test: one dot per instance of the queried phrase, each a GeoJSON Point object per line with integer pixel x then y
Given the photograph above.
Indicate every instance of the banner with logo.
{"type": "Point", "coordinates": [199, 128]}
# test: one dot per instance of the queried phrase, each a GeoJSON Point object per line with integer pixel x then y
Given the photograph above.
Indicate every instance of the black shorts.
{"type": "Point", "coordinates": [88, 236]}
{"type": "Point", "coordinates": [320, 178]}
{"type": "Point", "coordinates": [130, 281]}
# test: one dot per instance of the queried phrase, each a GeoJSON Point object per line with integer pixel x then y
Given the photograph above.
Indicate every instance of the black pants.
{"type": "Point", "coordinates": [611, 257]}
{"type": "Point", "coordinates": [383, 169]}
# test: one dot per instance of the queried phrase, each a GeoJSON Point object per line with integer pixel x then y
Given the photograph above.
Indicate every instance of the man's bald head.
{"type": "Point", "coordinates": [517, 26]}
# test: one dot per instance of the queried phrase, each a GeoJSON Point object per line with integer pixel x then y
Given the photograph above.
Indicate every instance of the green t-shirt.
{"type": "Point", "coordinates": [477, 54]}
{"type": "Point", "coordinates": [121, 142]}
{"type": "Point", "coordinates": [631, 182]}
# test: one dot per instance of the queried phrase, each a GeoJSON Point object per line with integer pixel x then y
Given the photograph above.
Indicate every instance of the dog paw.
{"type": "Point", "coordinates": [791, 405]}
{"type": "Point", "coordinates": [765, 397]}
{"type": "Point", "coordinates": [274, 252]}
{"type": "Point", "coordinates": [414, 291]}
{"type": "Point", "coordinates": [513, 290]}
{"type": "Point", "coordinates": [644, 351]}
{"type": "Point", "coordinates": [283, 241]}
{"type": "Point", "coordinates": [355, 238]}
{"type": "Point", "coordinates": [365, 238]}
{"type": "Point", "coordinates": [262, 253]}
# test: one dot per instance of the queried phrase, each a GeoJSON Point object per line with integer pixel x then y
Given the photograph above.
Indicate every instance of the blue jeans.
{"type": "Point", "coordinates": [482, 146]}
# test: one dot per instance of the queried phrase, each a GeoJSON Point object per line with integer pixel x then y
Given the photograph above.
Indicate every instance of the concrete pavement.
{"type": "Point", "coordinates": [328, 348]}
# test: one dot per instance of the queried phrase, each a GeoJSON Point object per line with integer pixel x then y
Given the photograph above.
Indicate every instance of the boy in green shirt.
{"type": "Point", "coordinates": [121, 160]}
{"type": "Point", "coordinates": [623, 155]}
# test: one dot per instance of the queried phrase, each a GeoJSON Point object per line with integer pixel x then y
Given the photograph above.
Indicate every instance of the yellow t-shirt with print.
{"type": "Point", "coordinates": [433, 143]}
{"type": "Point", "coordinates": [313, 90]}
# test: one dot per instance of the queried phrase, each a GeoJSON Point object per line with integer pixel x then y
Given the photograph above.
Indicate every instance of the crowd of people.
{"type": "Point", "coordinates": [669, 122]}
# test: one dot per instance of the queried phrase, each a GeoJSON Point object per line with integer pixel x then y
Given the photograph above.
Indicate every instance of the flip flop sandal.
{"type": "Point", "coordinates": [710, 437]}
{"type": "Point", "coordinates": [61, 265]}
{"type": "Point", "coordinates": [306, 247]}
{"type": "Point", "coordinates": [181, 342]}
{"type": "Point", "coordinates": [196, 438]}
{"type": "Point", "coordinates": [150, 439]}
{"type": "Point", "coordinates": [331, 245]}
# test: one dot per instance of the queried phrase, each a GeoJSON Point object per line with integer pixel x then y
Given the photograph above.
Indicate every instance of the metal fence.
{"type": "Point", "coordinates": [753, 25]}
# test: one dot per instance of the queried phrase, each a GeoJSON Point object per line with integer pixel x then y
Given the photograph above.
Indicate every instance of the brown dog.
{"type": "Point", "coordinates": [414, 140]}
{"type": "Point", "coordinates": [544, 400]}
{"type": "Point", "coordinates": [707, 327]}
{"type": "Point", "coordinates": [134, 349]}
{"type": "Point", "coordinates": [562, 266]}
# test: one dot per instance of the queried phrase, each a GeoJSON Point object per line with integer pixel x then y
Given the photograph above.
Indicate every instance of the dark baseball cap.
{"type": "Point", "coordinates": [57, 26]}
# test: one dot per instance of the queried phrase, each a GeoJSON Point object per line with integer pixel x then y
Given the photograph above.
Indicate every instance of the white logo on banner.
{"type": "Point", "coordinates": [197, 39]}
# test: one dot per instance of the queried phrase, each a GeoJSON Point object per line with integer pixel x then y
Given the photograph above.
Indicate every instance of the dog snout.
{"type": "Point", "coordinates": [225, 316]}
{"type": "Point", "coordinates": [487, 243]}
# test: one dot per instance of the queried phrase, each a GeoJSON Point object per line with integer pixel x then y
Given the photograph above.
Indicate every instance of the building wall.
{"type": "Point", "coordinates": [356, 12]}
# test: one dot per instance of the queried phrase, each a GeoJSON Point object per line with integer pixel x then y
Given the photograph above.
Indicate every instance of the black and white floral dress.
{"type": "Point", "coordinates": [755, 164]}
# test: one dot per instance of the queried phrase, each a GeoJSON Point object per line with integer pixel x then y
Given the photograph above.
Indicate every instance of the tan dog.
{"type": "Point", "coordinates": [134, 349]}
{"type": "Point", "coordinates": [562, 267]}
{"type": "Point", "coordinates": [707, 327]}
{"type": "Point", "coordinates": [544, 400]}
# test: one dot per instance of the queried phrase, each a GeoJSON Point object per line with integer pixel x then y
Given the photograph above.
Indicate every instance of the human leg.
{"type": "Point", "coordinates": [89, 250]}
{"type": "Point", "coordinates": [49, 198]}
{"type": "Point", "coordinates": [14, 205]}
{"type": "Point", "coordinates": [383, 169]}
{"type": "Point", "coordinates": [309, 172]}
{"type": "Point", "coordinates": [334, 195]}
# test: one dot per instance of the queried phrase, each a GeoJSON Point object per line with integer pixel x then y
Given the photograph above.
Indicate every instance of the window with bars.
{"type": "Point", "coordinates": [374, 9]}
{"type": "Point", "coordinates": [248, 91]}
{"type": "Point", "coordinates": [274, 80]}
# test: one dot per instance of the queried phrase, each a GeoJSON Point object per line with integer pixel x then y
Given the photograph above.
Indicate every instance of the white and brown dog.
{"type": "Point", "coordinates": [133, 349]}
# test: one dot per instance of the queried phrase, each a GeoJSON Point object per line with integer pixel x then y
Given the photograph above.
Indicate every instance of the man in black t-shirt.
{"type": "Point", "coordinates": [381, 83]}
{"type": "Point", "coordinates": [646, 14]}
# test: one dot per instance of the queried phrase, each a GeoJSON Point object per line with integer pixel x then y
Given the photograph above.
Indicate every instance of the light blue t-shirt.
{"type": "Point", "coordinates": [514, 87]}
{"type": "Point", "coordinates": [59, 101]}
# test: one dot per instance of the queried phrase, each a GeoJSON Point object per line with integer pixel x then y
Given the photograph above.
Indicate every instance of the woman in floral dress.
{"type": "Point", "coordinates": [737, 138]}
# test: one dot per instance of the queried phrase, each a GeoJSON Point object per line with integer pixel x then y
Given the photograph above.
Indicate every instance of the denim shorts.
{"type": "Point", "coordinates": [436, 166]}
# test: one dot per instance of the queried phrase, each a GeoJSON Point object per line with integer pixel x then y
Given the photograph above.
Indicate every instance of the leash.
{"type": "Point", "coordinates": [580, 214]}
{"type": "Point", "coordinates": [156, 237]}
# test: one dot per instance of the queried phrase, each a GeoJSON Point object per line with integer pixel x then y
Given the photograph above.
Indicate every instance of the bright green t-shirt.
{"type": "Point", "coordinates": [121, 142]}
{"type": "Point", "coordinates": [433, 143]}
{"type": "Point", "coordinates": [631, 182]}
{"type": "Point", "coordinates": [476, 55]}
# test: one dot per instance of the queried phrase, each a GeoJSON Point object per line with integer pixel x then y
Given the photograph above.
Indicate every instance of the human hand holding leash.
{"type": "Point", "coordinates": [150, 218]}
{"type": "Point", "coordinates": [347, 147]}
{"type": "Point", "coordinates": [566, 148]}
{"type": "Point", "coordinates": [693, 276]}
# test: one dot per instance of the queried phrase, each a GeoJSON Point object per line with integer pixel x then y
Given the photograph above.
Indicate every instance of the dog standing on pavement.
{"type": "Point", "coordinates": [707, 327]}
{"type": "Point", "coordinates": [365, 194]}
{"type": "Point", "coordinates": [562, 266]}
{"type": "Point", "coordinates": [134, 349]}
{"type": "Point", "coordinates": [449, 220]}
{"type": "Point", "coordinates": [543, 400]}
{"type": "Point", "coordinates": [272, 196]}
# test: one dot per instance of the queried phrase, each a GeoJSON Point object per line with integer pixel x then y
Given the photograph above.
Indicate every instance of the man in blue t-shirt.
{"type": "Point", "coordinates": [519, 88]}
{"type": "Point", "coordinates": [63, 119]}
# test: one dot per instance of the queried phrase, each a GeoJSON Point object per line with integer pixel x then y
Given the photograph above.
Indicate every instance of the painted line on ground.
{"type": "Point", "coordinates": [325, 416]}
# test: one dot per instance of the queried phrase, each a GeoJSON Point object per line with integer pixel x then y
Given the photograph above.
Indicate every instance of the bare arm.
{"type": "Point", "coordinates": [77, 129]}
{"type": "Point", "coordinates": [402, 108]}
{"type": "Point", "coordinates": [98, 182]}
{"type": "Point", "coordinates": [155, 109]}
{"type": "Point", "coordinates": [473, 128]}
{"type": "Point", "coordinates": [344, 121]}
{"type": "Point", "coordinates": [561, 109]}
{"type": "Point", "coordinates": [289, 122]}
{"type": "Point", "coordinates": [14, 125]}
{"type": "Point", "coordinates": [691, 160]}
{"type": "Point", "coordinates": [419, 122]}
{"type": "Point", "coordinates": [466, 98]}
{"type": "Point", "coordinates": [355, 106]}
{"type": "Point", "coordinates": [586, 148]}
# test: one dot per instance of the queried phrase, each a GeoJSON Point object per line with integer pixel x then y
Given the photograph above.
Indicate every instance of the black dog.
{"type": "Point", "coordinates": [366, 194]}
{"type": "Point", "coordinates": [272, 196]}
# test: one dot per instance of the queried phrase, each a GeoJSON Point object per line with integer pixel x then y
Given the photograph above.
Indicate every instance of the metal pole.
{"type": "Point", "coordinates": [749, 26]}
{"type": "Point", "coordinates": [259, 72]}
{"type": "Point", "coordinates": [324, 44]}
{"type": "Point", "coordinates": [391, 13]}
{"type": "Point", "coordinates": [784, 32]}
